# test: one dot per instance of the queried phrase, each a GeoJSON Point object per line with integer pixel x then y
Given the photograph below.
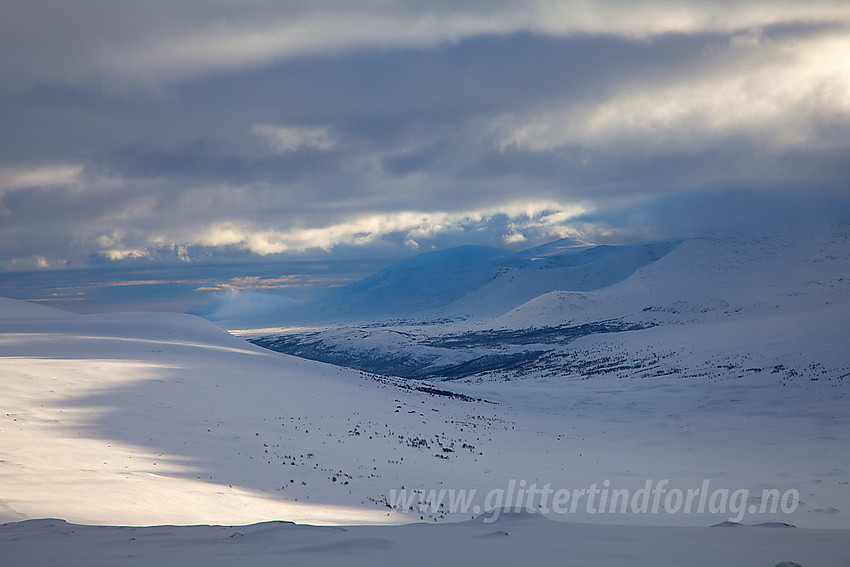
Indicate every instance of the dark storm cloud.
{"type": "Point", "coordinates": [187, 131]}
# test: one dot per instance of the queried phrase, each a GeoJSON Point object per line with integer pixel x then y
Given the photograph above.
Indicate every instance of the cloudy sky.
{"type": "Point", "coordinates": [181, 134]}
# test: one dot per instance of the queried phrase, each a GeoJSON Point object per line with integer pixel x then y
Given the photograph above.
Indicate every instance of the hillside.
{"type": "Point", "coordinates": [475, 281]}
{"type": "Point", "coordinates": [755, 299]}
{"type": "Point", "coordinates": [719, 366]}
{"type": "Point", "coordinates": [173, 405]}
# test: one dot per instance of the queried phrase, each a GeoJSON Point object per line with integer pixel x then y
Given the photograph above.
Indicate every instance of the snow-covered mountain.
{"type": "Point", "coordinates": [717, 365]}
{"type": "Point", "coordinates": [422, 283]}
{"type": "Point", "coordinates": [478, 281]}
{"type": "Point", "coordinates": [555, 315]}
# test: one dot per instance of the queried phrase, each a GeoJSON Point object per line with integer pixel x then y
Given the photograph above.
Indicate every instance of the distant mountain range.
{"type": "Point", "coordinates": [474, 312]}
{"type": "Point", "coordinates": [477, 281]}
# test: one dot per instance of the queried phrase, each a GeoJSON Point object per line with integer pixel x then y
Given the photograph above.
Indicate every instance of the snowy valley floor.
{"type": "Point", "coordinates": [163, 420]}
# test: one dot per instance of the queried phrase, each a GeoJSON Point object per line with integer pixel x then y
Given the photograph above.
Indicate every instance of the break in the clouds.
{"type": "Point", "coordinates": [777, 92]}
{"type": "Point", "coordinates": [283, 139]}
{"type": "Point", "coordinates": [185, 132]}
{"type": "Point", "coordinates": [512, 220]}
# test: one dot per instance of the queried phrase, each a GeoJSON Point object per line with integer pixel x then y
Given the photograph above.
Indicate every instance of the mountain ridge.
{"type": "Point", "coordinates": [478, 281]}
{"type": "Point", "coordinates": [671, 291]}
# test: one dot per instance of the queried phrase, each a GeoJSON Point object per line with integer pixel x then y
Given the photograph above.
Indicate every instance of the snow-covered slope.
{"type": "Point", "coordinates": [717, 368]}
{"type": "Point", "coordinates": [547, 268]}
{"type": "Point", "coordinates": [729, 328]}
{"type": "Point", "coordinates": [792, 290]}
{"type": "Point", "coordinates": [424, 282]}
{"type": "Point", "coordinates": [724, 275]}
{"type": "Point", "coordinates": [136, 419]}
{"type": "Point", "coordinates": [476, 281]}
{"type": "Point", "coordinates": [141, 418]}
{"type": "Point", "coordinates": [14, 309]}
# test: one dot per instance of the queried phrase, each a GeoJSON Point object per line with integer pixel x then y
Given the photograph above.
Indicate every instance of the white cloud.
{"type": "Point", "coordinates": [514, 238]}
{"type": "Point", "coordinates": [776, 92]}
{"type": "Point", "coordinates": [658, 17]}
{"type": "Point", "coordinates": [139, 45]}
{"type": "Point", "coordinates": [112, 246]}
{"type": "Point", "coordinates": [541, 216]}
{"type": "Point", "coordinates": [33, 263]}
{"type": "Point", "coordinates": [339, 26]}
{"type": "Point", "coordinates": [14, 178]}
{"type": "Point", "coordinates": [284, 139]}
{"type": "Point", "coordinates": [418, 166]}
{"type": "Point", "coordinates": [124, 253]}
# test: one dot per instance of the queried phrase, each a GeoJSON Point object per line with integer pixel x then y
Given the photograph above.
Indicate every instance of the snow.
{"type": "Point", "coordinates": [729, 367]}
{"type": "Point", "coordinates": [114, 418]}
{"type": "Point", "coordinates": [725, 357]}
{"type": "Point", "coordinates": [513, 540]}
{"type": "Point", "coordinates": [476, 281]}
{"type": "Point", "coordinates": [530, 274]}
{"type": "Point", "coordinates": [424, 282]}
